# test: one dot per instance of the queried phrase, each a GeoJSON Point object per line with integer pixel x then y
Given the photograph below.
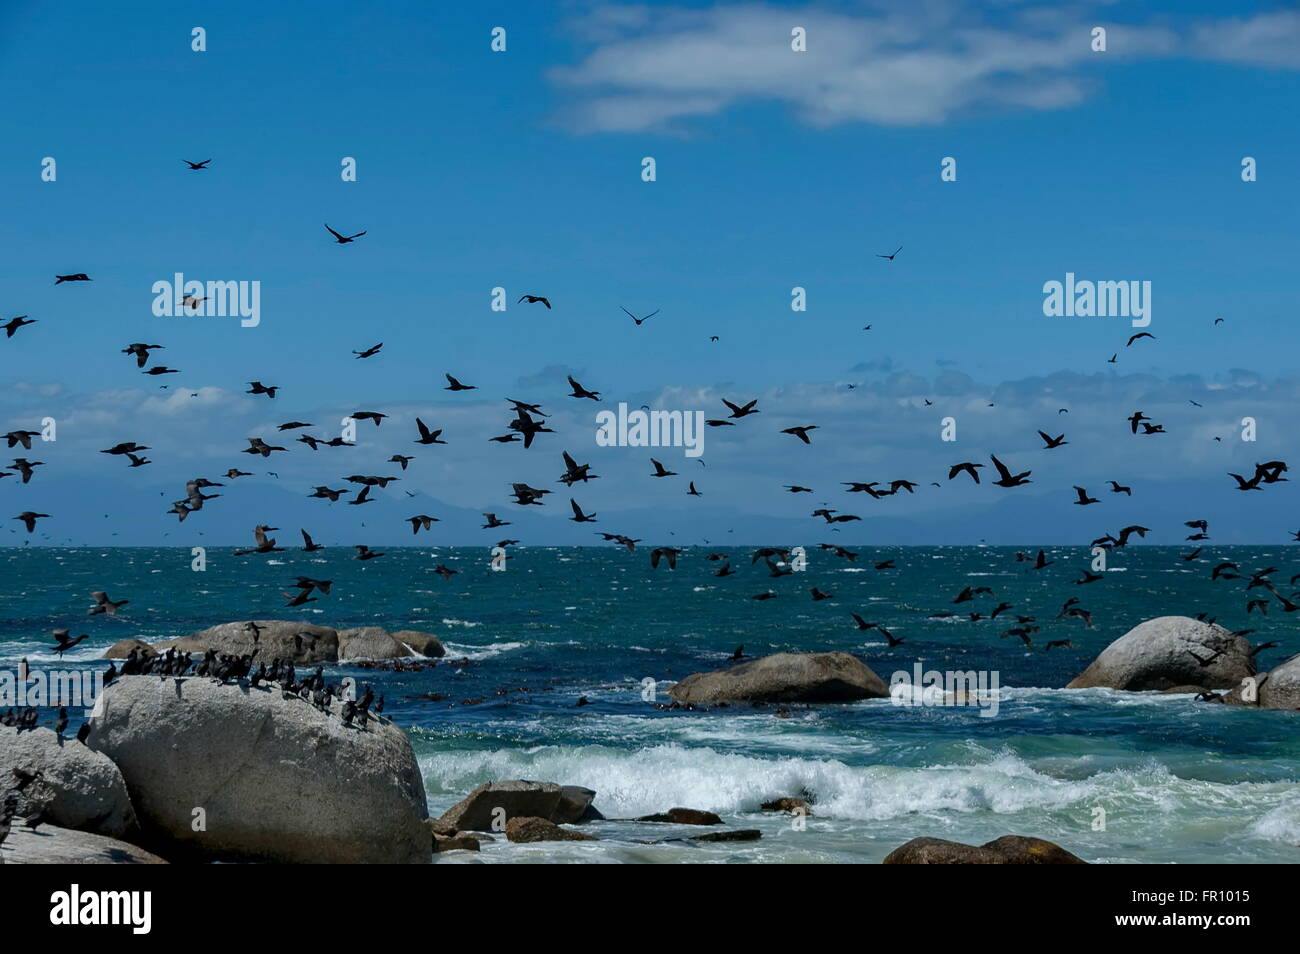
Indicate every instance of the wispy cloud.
{"type": "Point", "coordinates": [896, 65]}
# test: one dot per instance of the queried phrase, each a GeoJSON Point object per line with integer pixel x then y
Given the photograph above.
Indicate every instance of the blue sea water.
{"type": "Point", "coordinates": [1175, 780]}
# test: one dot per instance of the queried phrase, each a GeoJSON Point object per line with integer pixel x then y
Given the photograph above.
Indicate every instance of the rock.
{"type": "Point", "coordinates": [520, 799]}
{"type": "Point", "coordinates": [425, 644]}
{"type": "Point", "coordinates": [277, 780]}
{"type": "Point", "coordinates": [461, 841]}
{"type": "Point", "coordinates": [786, 677]}
{"type": "Point", "coordinates": [789, 804]}
{"type": "Point", "coordinates": [275, 641]}
{"type": "Point", "coordinates": [575, 806]}
{"type": "Point", "coordinates": [369, 642]}
{"type": "Point", "coordinates": [1279, 688]}
{"type": "Point", "coordinates": [525, 830]}
{"type": "Point", "coordinates": [50, 845]}
{"type": "Point", "coordinates": [739, 834]}
{"type": "Point", "coordinates": [122, 648]}
{"type": "Point", "coordinates": [683, 816]}
{"type": "Point", "coordinates": [1022, 850]}
{"type": "Point", "coordinates": [77, 788]}
{"type": "Point", "coordinates": [1182, 690]}
{"type": "Point", "coordinates": [1007, 850]}
{"type": "Point", "coordinates": [1157, 654]}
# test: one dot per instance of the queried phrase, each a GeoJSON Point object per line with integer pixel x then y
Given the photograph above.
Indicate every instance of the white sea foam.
{"type": "Point", "coordinates": [465, 651]}
{"type": "Point", "coordinates": [995, 784]}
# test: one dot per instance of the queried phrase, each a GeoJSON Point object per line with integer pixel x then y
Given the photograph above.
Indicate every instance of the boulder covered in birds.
{"type": "Point", "coordinates": [73, 786]}
{"type": "Point", "coordinates": [303, 643]}
{"type": "Point", "coordinates": [1279, 688]}
{"type": "Point", "coordinates": [1170, 651]}
{"type": "Point", "coordinates": [683, 816]}
{"type": "Point", "coordinates": [524, 829]}
{"type": "Point", "coordinates": [369, 642]}
{"type": "Point", "coordinates": [122, 648]}
{"type": "Point", "coordinates": [1007, 850]}
{"type": "Point", "coordinates": [255, 773]}
{"type": "Point", "coordinates": [52, 845]}
{"type": "Point", "coordinates": [785, 677]}
{"type": "Point", "coordinates": [425, 644]}
{"type": "Point", "coordinates": [493, 804]}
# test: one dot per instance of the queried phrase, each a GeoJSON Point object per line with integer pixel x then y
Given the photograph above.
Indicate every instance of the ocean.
{"type": "Point", "coordinates": [1113, 777]}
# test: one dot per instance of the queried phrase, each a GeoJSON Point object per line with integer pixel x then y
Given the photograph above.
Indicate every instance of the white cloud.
{"type": "Point", "coordinates": [896, 64]}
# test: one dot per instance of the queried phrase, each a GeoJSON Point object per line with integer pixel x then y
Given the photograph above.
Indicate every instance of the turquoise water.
{"type": "Point", "coordinates": [1176, 781]}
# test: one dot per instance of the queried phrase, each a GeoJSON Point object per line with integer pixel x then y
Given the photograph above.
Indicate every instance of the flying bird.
{"type": "Point", "coordinates": [343, 239]}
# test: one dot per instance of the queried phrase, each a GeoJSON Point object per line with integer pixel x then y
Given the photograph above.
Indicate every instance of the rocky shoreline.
{"type": "Point", "coordinates": [221, 764]}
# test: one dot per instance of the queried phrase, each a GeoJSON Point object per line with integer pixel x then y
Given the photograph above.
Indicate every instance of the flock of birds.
{"type": "Point", "coordinates": [527, 422]}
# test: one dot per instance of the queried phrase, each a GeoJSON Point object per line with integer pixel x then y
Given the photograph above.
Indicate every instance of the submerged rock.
{"type": "Point", "coordinates": [525, 830]}
{"type": "Point", "coordinates": [1168, 651]}
{"type": "Point", "coordinates": [739, 834]}
{"type": "Point", "coordinates": [260, 776]}
{"type": "Point", "coordinates": [683, 816]}
{"type": "Point", "coordinates": [50, 845]}
{"type": "Point", "coordinates": [1007, 850]}
{"type": "Point", "coordinates": [493, 804]}
{"type": "Point", "coordinates": [76, 788]}
{"type": "Point", "coordinates": [785, 677]}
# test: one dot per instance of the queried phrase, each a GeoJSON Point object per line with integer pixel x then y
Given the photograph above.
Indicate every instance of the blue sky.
{"type": "Point", "coordinates": [775, 169]}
